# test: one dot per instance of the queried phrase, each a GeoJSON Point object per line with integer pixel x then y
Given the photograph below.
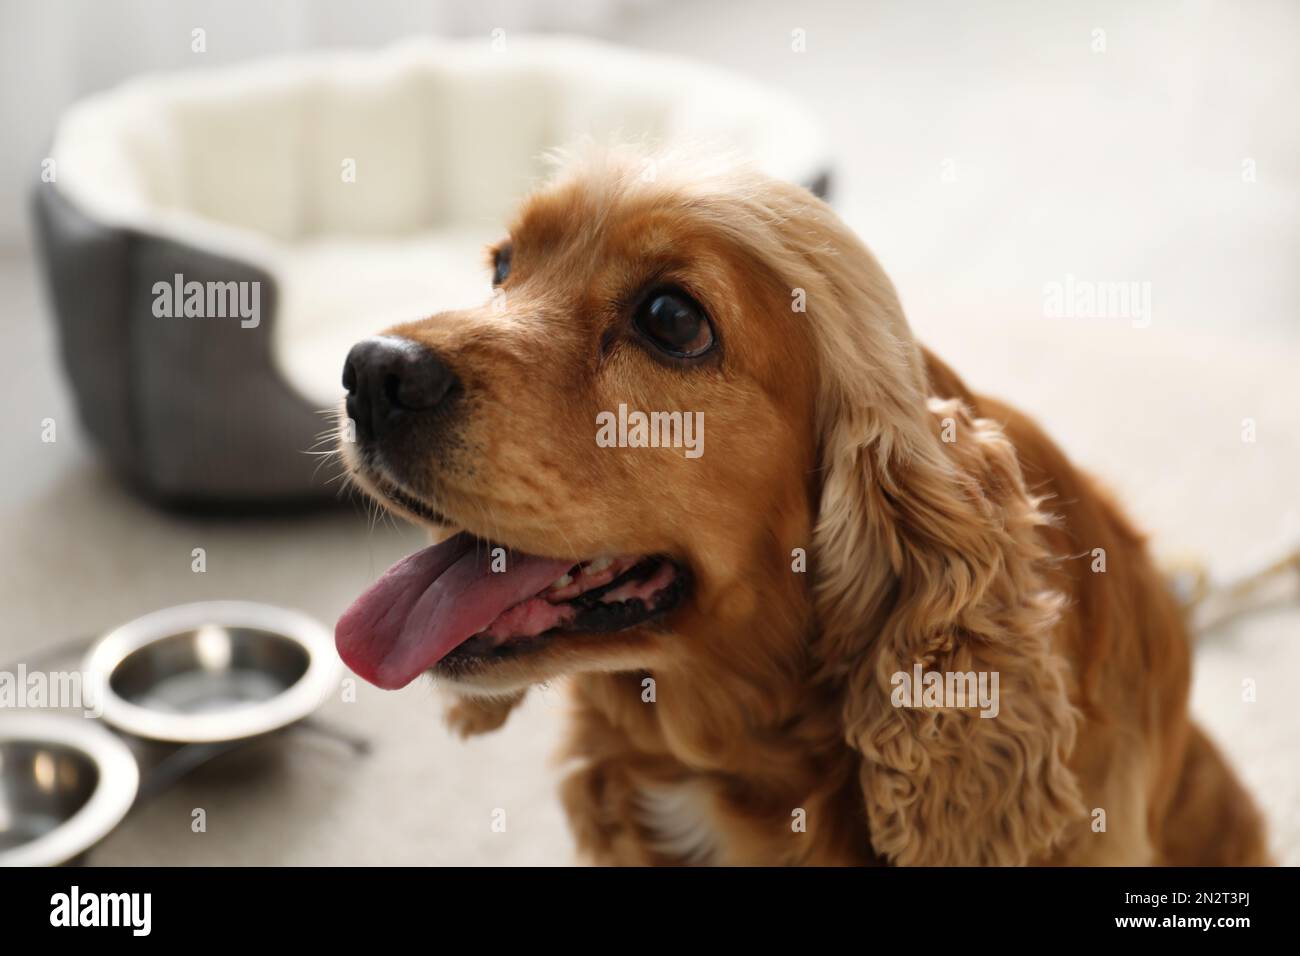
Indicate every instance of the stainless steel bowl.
{"type": "Point", "coordinates": [213, 671]}
{"type": "Point", "coordinates": [64, 783]}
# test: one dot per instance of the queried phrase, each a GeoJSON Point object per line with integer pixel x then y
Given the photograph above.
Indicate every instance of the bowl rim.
{"type": "Point", "coordinates": [292, 704]}
{"type": "Point", "coordinates": [109, 802]}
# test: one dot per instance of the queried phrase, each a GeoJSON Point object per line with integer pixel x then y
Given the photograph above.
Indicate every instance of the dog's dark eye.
{"type": "Point", "coordinates": [501, 265]}
{"type": "Point", "coordinates": [675, 322]}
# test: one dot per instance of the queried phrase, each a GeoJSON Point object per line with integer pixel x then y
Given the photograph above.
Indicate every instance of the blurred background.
{"type": "Point", "coordinates": [991, 155]}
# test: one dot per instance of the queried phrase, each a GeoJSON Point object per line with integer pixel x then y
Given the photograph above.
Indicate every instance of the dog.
{"type": "Point", "coordinates": [768, 642]}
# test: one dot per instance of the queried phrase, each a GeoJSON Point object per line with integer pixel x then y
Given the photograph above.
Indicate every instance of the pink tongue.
{"type": "Point", "coordinates": [429, 603]}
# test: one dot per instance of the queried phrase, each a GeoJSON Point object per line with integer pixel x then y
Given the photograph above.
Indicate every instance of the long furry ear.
{"type": "Point", "coordinates": [928, 553]}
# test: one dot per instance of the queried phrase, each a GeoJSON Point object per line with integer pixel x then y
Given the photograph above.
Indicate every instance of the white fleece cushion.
{"type": "Point", "coordinates": [444, 138]}
{"type": "Point", "coordinates": [339, 289]}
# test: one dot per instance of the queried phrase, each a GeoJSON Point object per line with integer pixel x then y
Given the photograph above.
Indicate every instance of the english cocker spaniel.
{"type": "Point", "coordinates": [863, 623]}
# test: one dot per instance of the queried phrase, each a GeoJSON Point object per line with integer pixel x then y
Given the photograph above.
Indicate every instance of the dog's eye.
{"type": "Point", "coordinates": [675, 322]}
{"type": "Point", "coordinates": [501, 265]}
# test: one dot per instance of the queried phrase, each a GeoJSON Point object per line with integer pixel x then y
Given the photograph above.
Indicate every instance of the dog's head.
{"type": "Point", "coordinates": [625, 434]}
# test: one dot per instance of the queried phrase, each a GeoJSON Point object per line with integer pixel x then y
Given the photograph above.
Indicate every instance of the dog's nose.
{"type": "Point", "coordinates": [389, 378]}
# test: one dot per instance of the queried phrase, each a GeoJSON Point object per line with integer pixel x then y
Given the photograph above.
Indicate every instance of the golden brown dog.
{"type": "Point", "coordinates": [750, 621]}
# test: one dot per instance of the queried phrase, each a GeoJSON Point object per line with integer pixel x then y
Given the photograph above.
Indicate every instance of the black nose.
{"type": "Point", "coordinates": [390, 378]}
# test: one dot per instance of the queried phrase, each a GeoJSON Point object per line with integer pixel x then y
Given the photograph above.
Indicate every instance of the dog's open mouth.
{"type": "Point", "coordinates": [468, 597]}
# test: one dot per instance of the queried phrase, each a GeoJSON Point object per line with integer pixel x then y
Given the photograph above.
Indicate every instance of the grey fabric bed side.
{"type": "Point", "coordinates": [189, 411]}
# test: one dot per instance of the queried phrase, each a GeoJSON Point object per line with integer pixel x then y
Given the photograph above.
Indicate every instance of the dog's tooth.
{"type": "Point", "coordinates": [598, 565]}
{"type": "Point", "coordinates": [563, 581]}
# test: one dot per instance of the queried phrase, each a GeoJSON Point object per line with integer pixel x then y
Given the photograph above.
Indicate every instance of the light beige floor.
{"type": "Point", "coordinates": [1123, 165]}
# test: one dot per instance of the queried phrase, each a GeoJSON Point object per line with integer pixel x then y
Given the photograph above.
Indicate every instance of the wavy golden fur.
{"type": "Point", "coordinates": [941, 528]}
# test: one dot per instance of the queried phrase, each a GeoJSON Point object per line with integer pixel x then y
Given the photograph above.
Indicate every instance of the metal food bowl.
{"type": "Point", "coordinates": [64, 783]}
{"type": "Point", "coordinates": [213, 671]}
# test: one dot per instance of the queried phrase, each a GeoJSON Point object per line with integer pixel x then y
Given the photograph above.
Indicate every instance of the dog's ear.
{"type": "Point", "coordinates": [471, 716]}
{"type": "Point", "coordinates": [928, 552]}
